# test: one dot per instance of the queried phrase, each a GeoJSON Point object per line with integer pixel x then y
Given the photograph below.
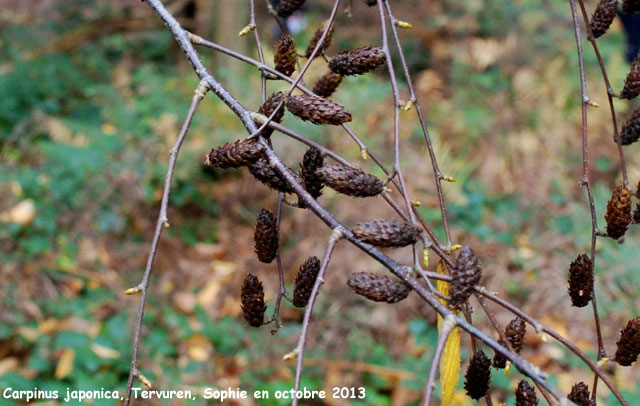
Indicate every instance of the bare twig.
{"type": "Point", "coordinates": [162, 223]}
{"type": "Point", "coordinates": [299, 350]}
{"type": "Point", "coordinates": [448, 325]}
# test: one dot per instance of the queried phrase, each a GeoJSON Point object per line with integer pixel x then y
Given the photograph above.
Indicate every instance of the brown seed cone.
{"type": "Point", "coordinates": [262, 171]}
{"type": "Point", "coordinates": [266, 236]}
{"type": "Point", "coordinates": [316, 38]}
{"type": "Point", "coordinates": [312, 161]}
{"type": "Point", "coordinates": [580, 394]}
{"type": "Point", "coordinates": [618, 216]}
{"type": "Point", "coordinates": [318, 110]}
{"type": "Point", "coordinates": [478, 376]}
{"type": "Point", "coordinates": [267, 108]}
{"type": "Point", "coordinates": [385, 233]}
{"type": "Point", "coordinates": [327, 84]}
{"type": "Point", "coordinates": [629, 343]}
{"type": "Point", "coordinates": [378, 288]}
{"type": "Point", "coordinates": [234, 154]}
{"type": "Point", "coordinates": [581, 281]}
{"type": "Point", "coordinates": [630, 6]}
{"type": "Point", "coordinates": [305, 279]}
{"type": "Point", "coordinates": [630, 131]}
{"type": "Point", "coordinates": [603, 17]}
{"type": "Point", "coordinates": [636, 214]}
{"type": "Point", "coordinates": [499, 361]}
{"type": "Point", "coordinates": [465, 276]}
{"type": "Point", "coordinates": [350, 181]}
{"type": "Point", "coordinates": [252, 298]}
{"type": "Point", "coordinates": [357, 61]}
{"type": "Point", "coordinates": [631, 87]}
{"type": "Point", "coordinates": [287, 7]}
{"type": "Point", "coordinates": [526, 395]}
{"type": "Point", "coordinates": [514, 332]}
{"type": "Point", "coordinates": [285, 57]}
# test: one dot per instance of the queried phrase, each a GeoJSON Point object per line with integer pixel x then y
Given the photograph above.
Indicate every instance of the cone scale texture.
{"type": "Point", "coordinates": [357, 61]}
{"type": "Point", "coordinates": [285, 57]}
{"type": "Point", "coordinates": [628, 346]}
{"type": "Point", "coordinates": [262, 171]}
{"type": "Point", "coordinates": [631, 87]}
{"type": "Point", "coordinates": [465, 276]}
{"type": "Point", "coordinates": [618, 216]}
{"type": "Point", "coordinates": [526, 395]}
{"type": "Point", "coordinates": [305, 279]}
{"type": "Point", "coordinates": [580, 394]}
{"type": "Point", "coordinates": [234, 154]}
{"type": "Point", "coordinates": [252, 298]}
{"type": "Point", "coordinates": [581, 281]}
{"type": "Point", "coordinates": [266, 236]}
{"type": "Point", "coordinates": [318, 110]}
{"type": "Point", "coordinates": [603, 17]}
{"type": "Point", "coordinates": [349, 181]}
{"type": "Point", "coordinates": [630, 131]}
{"type": "Point", "coordinates": [514, 333]}
{"type": "Point", "coordinates": [378, 288]}
{"type": "Point", "coordinates": [386, 233]}
{"type": "Point", "coordinates": [287, 7]}
{"type": "Point", "coordinates": [267, 108]}
{"type": "Point", "coordinates": [478, 376]}
{"type": "Point", "coordinates": [316, 39]}
{"type": "Point", "coordinates": [327, 84]}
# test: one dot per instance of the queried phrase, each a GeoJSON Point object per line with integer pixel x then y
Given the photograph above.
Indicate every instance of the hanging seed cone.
{"type": "Point", "coordinates": [465, 276]}
{"type": "Point", "coordinates": [267, 108]}
{"type": "Point", "coordinates": [499, 361]}
{"type": "Point", "coordinates": [316, 38]}
{"type": "Point", "coordinates": [312, 161]}
{"type": "Point", "coordinates": [305, 279]}
{"type": "Point", "coordinates": [478, 376]}
{"type": "Point", "coordinates": [357, 61]}
{"type": "Point", "coordinates": [318, 110]}
{"type": "Point", "coordinates": [618, 216]}
{"type": "Point", "coordinates": [580, 394]}
{"type": "Point", "coordinates": [629, 343]}
{"type": "Point", "coordinates": [385, 233]}
{"type": "Point", "coordinates": [514, 332]}
{"type": "Point", "coordinates": [630, 131]}
{"type": "Point", "coordinates": [632, 83]}
{"type": "Point", "coordinates": [327, 84]}
{"type": "Point", "coordinates": [234, 154]}
{"type": "Point", "coordinates": [581, 281]}
{"type": "Point", "coordinates": [378, 288]}
{"type": "Point", "coordinates": [285, 57]}
{"type": "Point", "coordinates": [350, 181]}
{"type": "Point", "coordinates": [526, 395]}
{"type": "Point", "coordinates": [262, 171]}
{"type": "Point", "coordinates": [252, 298]}
{"type": "Point", "coordinates": [603, 17]}
{"type": "Point", "coordinates": [287, 7]}
{"type": "Point", "coordinates": [630, 6]}
{"type": "Point", "coordinates": [266, 236]}
{"type": "Point", "coordinates": [636, 214]}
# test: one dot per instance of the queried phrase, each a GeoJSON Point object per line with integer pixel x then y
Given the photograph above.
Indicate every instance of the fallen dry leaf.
{"type": "Point", "coordinates": [65, 363]}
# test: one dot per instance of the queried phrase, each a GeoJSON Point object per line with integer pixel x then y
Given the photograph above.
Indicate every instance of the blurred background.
{"type": "Point", "coordinates": [92, 95]}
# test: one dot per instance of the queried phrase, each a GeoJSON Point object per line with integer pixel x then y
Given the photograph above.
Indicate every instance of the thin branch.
{"type": "Point", "coordinates": [162, 223]}
{"type": "Point", "coordinates": [586, 180]}
{"type": "Point", "coordinates": [610, 92]}
{"type": "Point", "coordinates": [283, 290]}
{"type": "Point", "coordinates": [299, 350]}
{"type": "Point", "coordinates": [439, 177]}
{"type": "Point", "coordinates": [448, 325]}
